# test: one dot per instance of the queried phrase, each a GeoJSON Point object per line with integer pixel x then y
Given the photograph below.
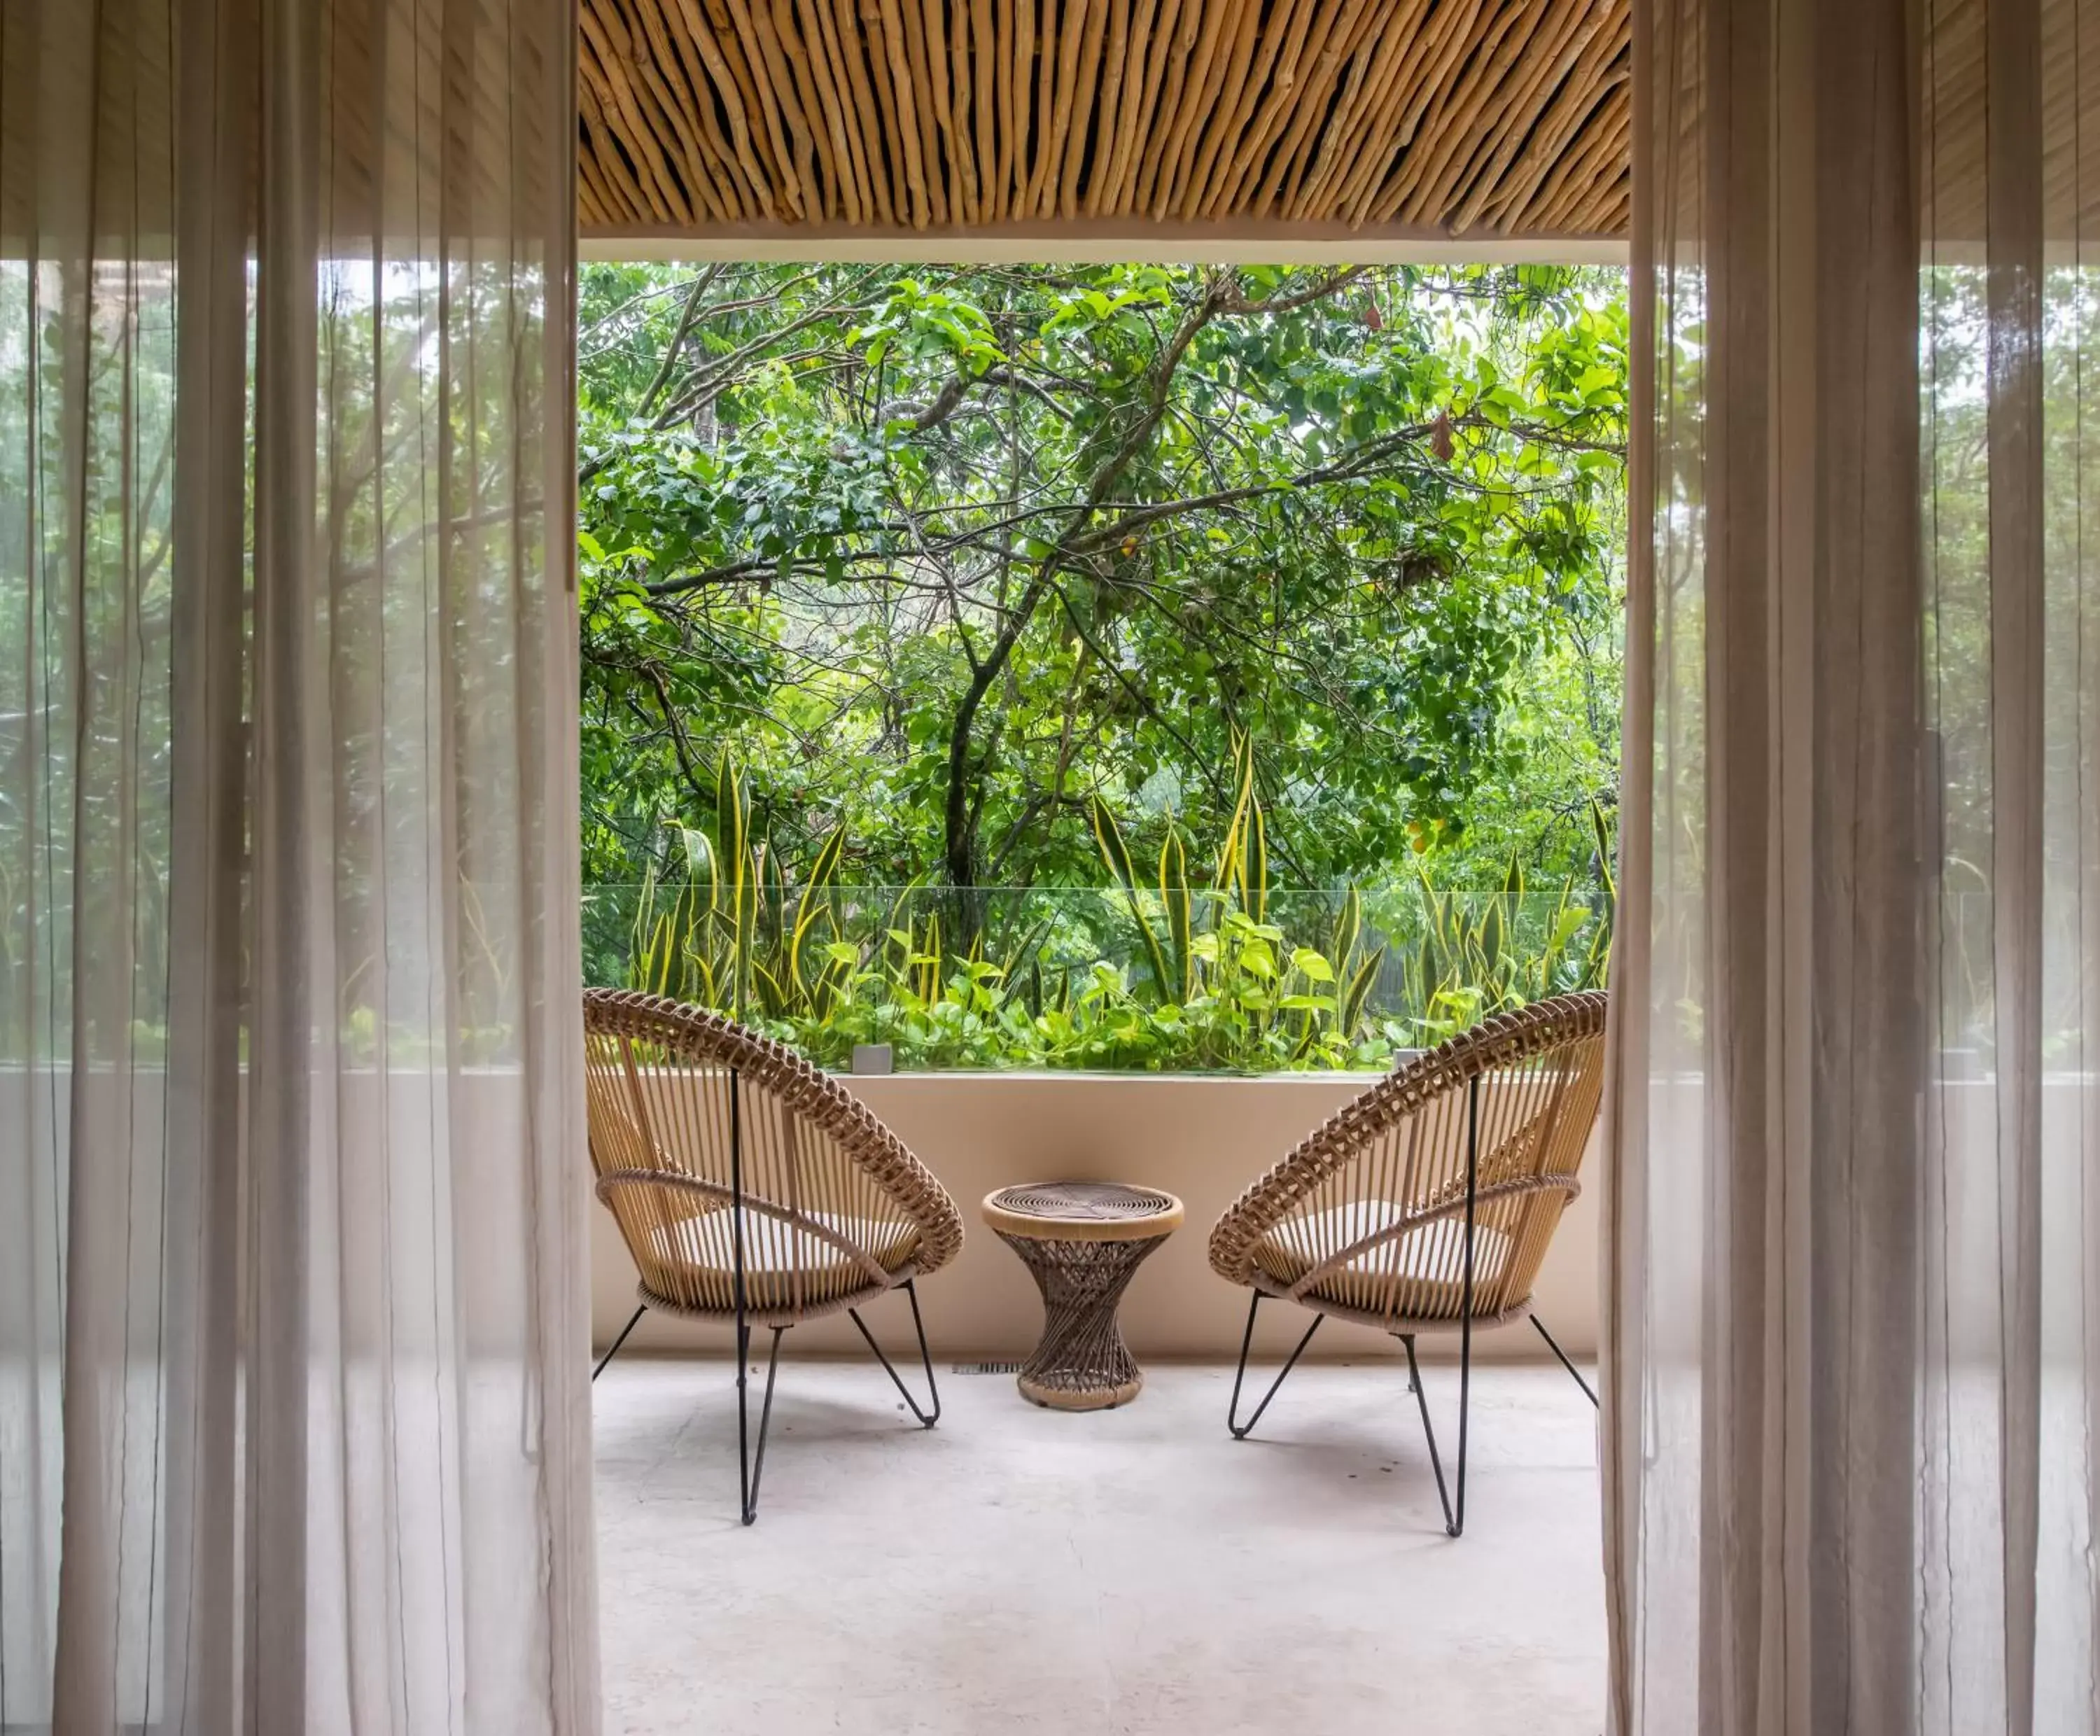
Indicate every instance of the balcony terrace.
{"type": "Point", "coordinates": [1137, 1571]}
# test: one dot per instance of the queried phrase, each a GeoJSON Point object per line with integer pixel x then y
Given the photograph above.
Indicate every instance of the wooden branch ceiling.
{"type": "Point", "coordinates": [1498, 118]}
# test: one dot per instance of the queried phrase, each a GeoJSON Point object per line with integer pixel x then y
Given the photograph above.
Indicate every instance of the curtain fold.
{"type": "Point", "coordinates": [1853, 1338]}
{"type": "Point", "coordinates": [293, 1404]}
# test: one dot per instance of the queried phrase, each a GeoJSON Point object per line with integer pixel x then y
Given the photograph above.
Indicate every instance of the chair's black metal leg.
{"type": "Point", "coordinates": [925, 1355]}
{"type": "Point", "coordinates": [1456, 1526]}
{"type": "Point", "coordinates": [1454, 1519]}
{"type": "Point", "coordinates": [1240, 1430]}
{"type": "Point", "coordinates": [619, 1342]}
{"type": "Point", "coordinates": [752, 1468]}
{"type": "Point", "coordinates": [1588, 1391]}
{"type": "Point", "coordinates": [1247, 1339]}
{"type": "Point", "coordinates": [1454, 1511]}
{"type": "Point", "coordinates": [1455, 1522]}
{"type": "Point", "coordinates": [925, 1360]}
{"type": "Point", "coordinates": [747, 1478]}
{"type": "Point", "coordinates": [743, 1423]}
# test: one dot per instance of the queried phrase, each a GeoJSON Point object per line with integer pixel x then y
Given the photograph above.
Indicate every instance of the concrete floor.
{"type": "Point", "coordinates": [1135, 1571]}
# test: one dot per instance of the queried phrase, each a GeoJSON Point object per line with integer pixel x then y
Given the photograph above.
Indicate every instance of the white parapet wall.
{"type": "Point", "coordinates": [1202, 1139]}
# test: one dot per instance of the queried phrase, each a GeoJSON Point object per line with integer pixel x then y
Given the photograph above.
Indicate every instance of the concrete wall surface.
{"type": "Point", "coordinates": [1201, 1138]}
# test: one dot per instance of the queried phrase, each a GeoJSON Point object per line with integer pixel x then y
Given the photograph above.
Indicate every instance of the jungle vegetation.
{"type": "Point", "coordinates": [1136, 665]}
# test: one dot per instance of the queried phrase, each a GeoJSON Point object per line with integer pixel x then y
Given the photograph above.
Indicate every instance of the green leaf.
{"type": "Point", "coordinates": [1348, 928]}
{"type": "Point", "coordinates": [1358, 993]}
{"type": "Point", "coordinates": [1606, 855]}
{"type": "Point", "coordinates": [1312, 964]}
{"type": "Point", "coordinates": [1108, 838]}
{"type": "Point", "coordinates": [1177, 902]}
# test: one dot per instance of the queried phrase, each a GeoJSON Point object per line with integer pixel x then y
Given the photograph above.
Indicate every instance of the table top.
{"type": "Point", "coordinates": [1081, 1211]}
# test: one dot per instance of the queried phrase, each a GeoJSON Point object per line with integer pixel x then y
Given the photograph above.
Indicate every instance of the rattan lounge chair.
{"type": "Point", "coordinates": [1426, 1204]}
{"type": "Point", "coordinates": [752, 1189]}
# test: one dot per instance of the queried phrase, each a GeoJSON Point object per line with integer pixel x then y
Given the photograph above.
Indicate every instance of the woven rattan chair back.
{"type": "Point", "coordinates": [689, 1112]}
{"type": "Point", "coordinates": [1366, 1218]}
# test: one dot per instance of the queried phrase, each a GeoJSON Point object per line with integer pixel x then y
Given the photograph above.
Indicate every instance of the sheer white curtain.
{"type": "Point", "coordinates": [293, 1402]}
{"type": "Point", "coordinates": [1854, 1281]}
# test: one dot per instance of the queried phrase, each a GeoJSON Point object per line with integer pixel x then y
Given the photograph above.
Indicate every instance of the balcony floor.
{"type": "Point", "coordinates": [1135, 1571]}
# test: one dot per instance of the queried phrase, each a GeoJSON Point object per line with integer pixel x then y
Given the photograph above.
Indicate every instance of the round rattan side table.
{"type": "Point", "coordinates": [1082, 1241]}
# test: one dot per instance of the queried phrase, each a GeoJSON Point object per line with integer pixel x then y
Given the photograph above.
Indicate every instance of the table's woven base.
{"type": "Point", "coordinates": [1081, 1398]}
{"type": "Point", "coordinates": [1082, 1364]}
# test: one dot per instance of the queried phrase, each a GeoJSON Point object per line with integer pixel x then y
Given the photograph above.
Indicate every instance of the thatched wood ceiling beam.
{"type": "Point", "coordinates": [1492, 119]}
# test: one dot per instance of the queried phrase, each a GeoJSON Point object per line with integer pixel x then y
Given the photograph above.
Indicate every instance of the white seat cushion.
{"type": "Point", "coordinates": [772, 1247]}
{"type": "Point", "coordinates": [1431, 1254]}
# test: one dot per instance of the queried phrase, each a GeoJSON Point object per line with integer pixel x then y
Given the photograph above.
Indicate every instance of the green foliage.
{"type": "Point", "coordinates": [914, 542]}
{"type": "Point", "coordinates": [1470, 960]}
{"type": "Point", "coordinates": [1001, 584]}
{"type": "Point", "coordinates": [1216, 984]}
{"type": "Point", "coordinates": [1225, 986]}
